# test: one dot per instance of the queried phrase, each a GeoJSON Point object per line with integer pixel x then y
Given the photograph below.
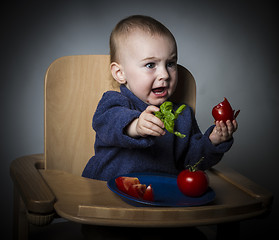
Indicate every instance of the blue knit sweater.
{"type": "Point", "coordinates": [116, 153]}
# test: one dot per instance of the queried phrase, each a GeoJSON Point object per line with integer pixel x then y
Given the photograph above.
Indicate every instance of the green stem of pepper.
{"type": "Point", "coordinates": [195, 166]}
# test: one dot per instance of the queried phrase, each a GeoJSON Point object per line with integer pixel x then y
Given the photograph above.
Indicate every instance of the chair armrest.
{"type": "Point", "coordinates": [35, 193]}
{"type": "Point", "coordinates": [245, 184]}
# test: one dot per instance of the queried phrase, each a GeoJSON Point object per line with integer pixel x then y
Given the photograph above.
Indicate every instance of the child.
{"type": "Point", "coordinates": [129, 137]}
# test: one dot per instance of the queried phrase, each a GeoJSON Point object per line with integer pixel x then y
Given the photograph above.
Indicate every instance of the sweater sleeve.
{"type": "Point", "coordinates": [203, 147]}
{"type": "Point", "coordinates": [113, 114]}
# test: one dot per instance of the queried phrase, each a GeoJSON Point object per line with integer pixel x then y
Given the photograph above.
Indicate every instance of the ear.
{"type": "Point", "coordinates": [117, 72]}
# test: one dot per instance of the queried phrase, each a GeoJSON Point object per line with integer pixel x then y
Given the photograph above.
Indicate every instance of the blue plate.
{"type": "Point", "coordinates": [166, 192]}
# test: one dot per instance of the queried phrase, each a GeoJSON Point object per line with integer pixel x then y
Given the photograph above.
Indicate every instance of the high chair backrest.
{"type": "Point", "coordinates": [73, 87]}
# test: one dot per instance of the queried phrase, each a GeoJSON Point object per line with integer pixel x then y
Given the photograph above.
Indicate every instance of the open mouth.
{"type": "Point", "coordinates": [160, 91]}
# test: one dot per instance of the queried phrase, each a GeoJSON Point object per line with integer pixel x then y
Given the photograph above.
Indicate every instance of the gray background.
{"type": "Point", "coordinates": [229, 46]}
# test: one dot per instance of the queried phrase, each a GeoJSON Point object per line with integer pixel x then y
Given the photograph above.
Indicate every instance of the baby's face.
{"type": "Point", "coordinates": [150, 66]}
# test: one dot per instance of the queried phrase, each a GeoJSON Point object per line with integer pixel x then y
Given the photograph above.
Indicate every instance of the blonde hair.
{"type": "Point", "coordinates": [129, 24]}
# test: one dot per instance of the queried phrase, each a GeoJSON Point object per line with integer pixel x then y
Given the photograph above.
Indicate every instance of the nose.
{"type": "Point", "coordinates": [163, 74]}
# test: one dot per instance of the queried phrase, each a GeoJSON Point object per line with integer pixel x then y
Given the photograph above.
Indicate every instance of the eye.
{"type": "Point", "coordinates": [150, 65]}
{"type": "Point", "coordinates": [171, 64]}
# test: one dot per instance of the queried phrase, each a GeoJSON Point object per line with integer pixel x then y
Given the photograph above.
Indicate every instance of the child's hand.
{"type": "Point", "coordinates": [223, 131]}
{"type": "Point", "coordinates": [146, 124]}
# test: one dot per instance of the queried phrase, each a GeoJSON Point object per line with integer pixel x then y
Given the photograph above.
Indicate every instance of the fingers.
{"type": "Point", "coordinates": [152, 109]}
{"type": "Point", "coordinates": [226, 129]}
{"type": "Point", "coordinates": [223, 131]}
{"type": "Point", "coordinates": [149, 124]}
{"type": "Point", "coordinates": [232, 126]}
{"type": "Point", "coordinates": [151, 117]}
{"type": "Point", "coordinates": [235, 124]}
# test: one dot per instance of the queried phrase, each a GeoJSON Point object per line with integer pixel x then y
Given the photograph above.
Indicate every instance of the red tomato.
{"type": "Point", "coordinates": [149, 195]}
{"type": "Point", "coordinates": [133, 187]}
{"type": "Point", "coordinates": [223, 111]}
{"type": "Point", "coordinates": [192, 184]}
{"type": "Point", "coordinates": [137, 190]}
{"type": "Point", "coordinates": [124, 183]}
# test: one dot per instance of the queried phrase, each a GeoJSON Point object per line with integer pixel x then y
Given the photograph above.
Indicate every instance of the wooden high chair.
{"type": "Point", "coordinates": [50, 184]}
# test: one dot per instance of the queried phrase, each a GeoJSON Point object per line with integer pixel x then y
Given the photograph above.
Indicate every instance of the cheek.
{"type": "Point", "coordinates": [138, 83]}
{"type": "Point", "coordinates": [141, 79]}
{"type": "Point", "coordinates": [174, 77]}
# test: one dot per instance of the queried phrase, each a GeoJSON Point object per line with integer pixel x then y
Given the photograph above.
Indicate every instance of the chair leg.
{"type": "Point", "coordinates": [228, 231]}
{"type": "Point", "coordinates": [20, 222]}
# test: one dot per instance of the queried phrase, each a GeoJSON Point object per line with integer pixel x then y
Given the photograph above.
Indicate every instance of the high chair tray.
{"type": "Point", "coordinates": [92, 202]}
